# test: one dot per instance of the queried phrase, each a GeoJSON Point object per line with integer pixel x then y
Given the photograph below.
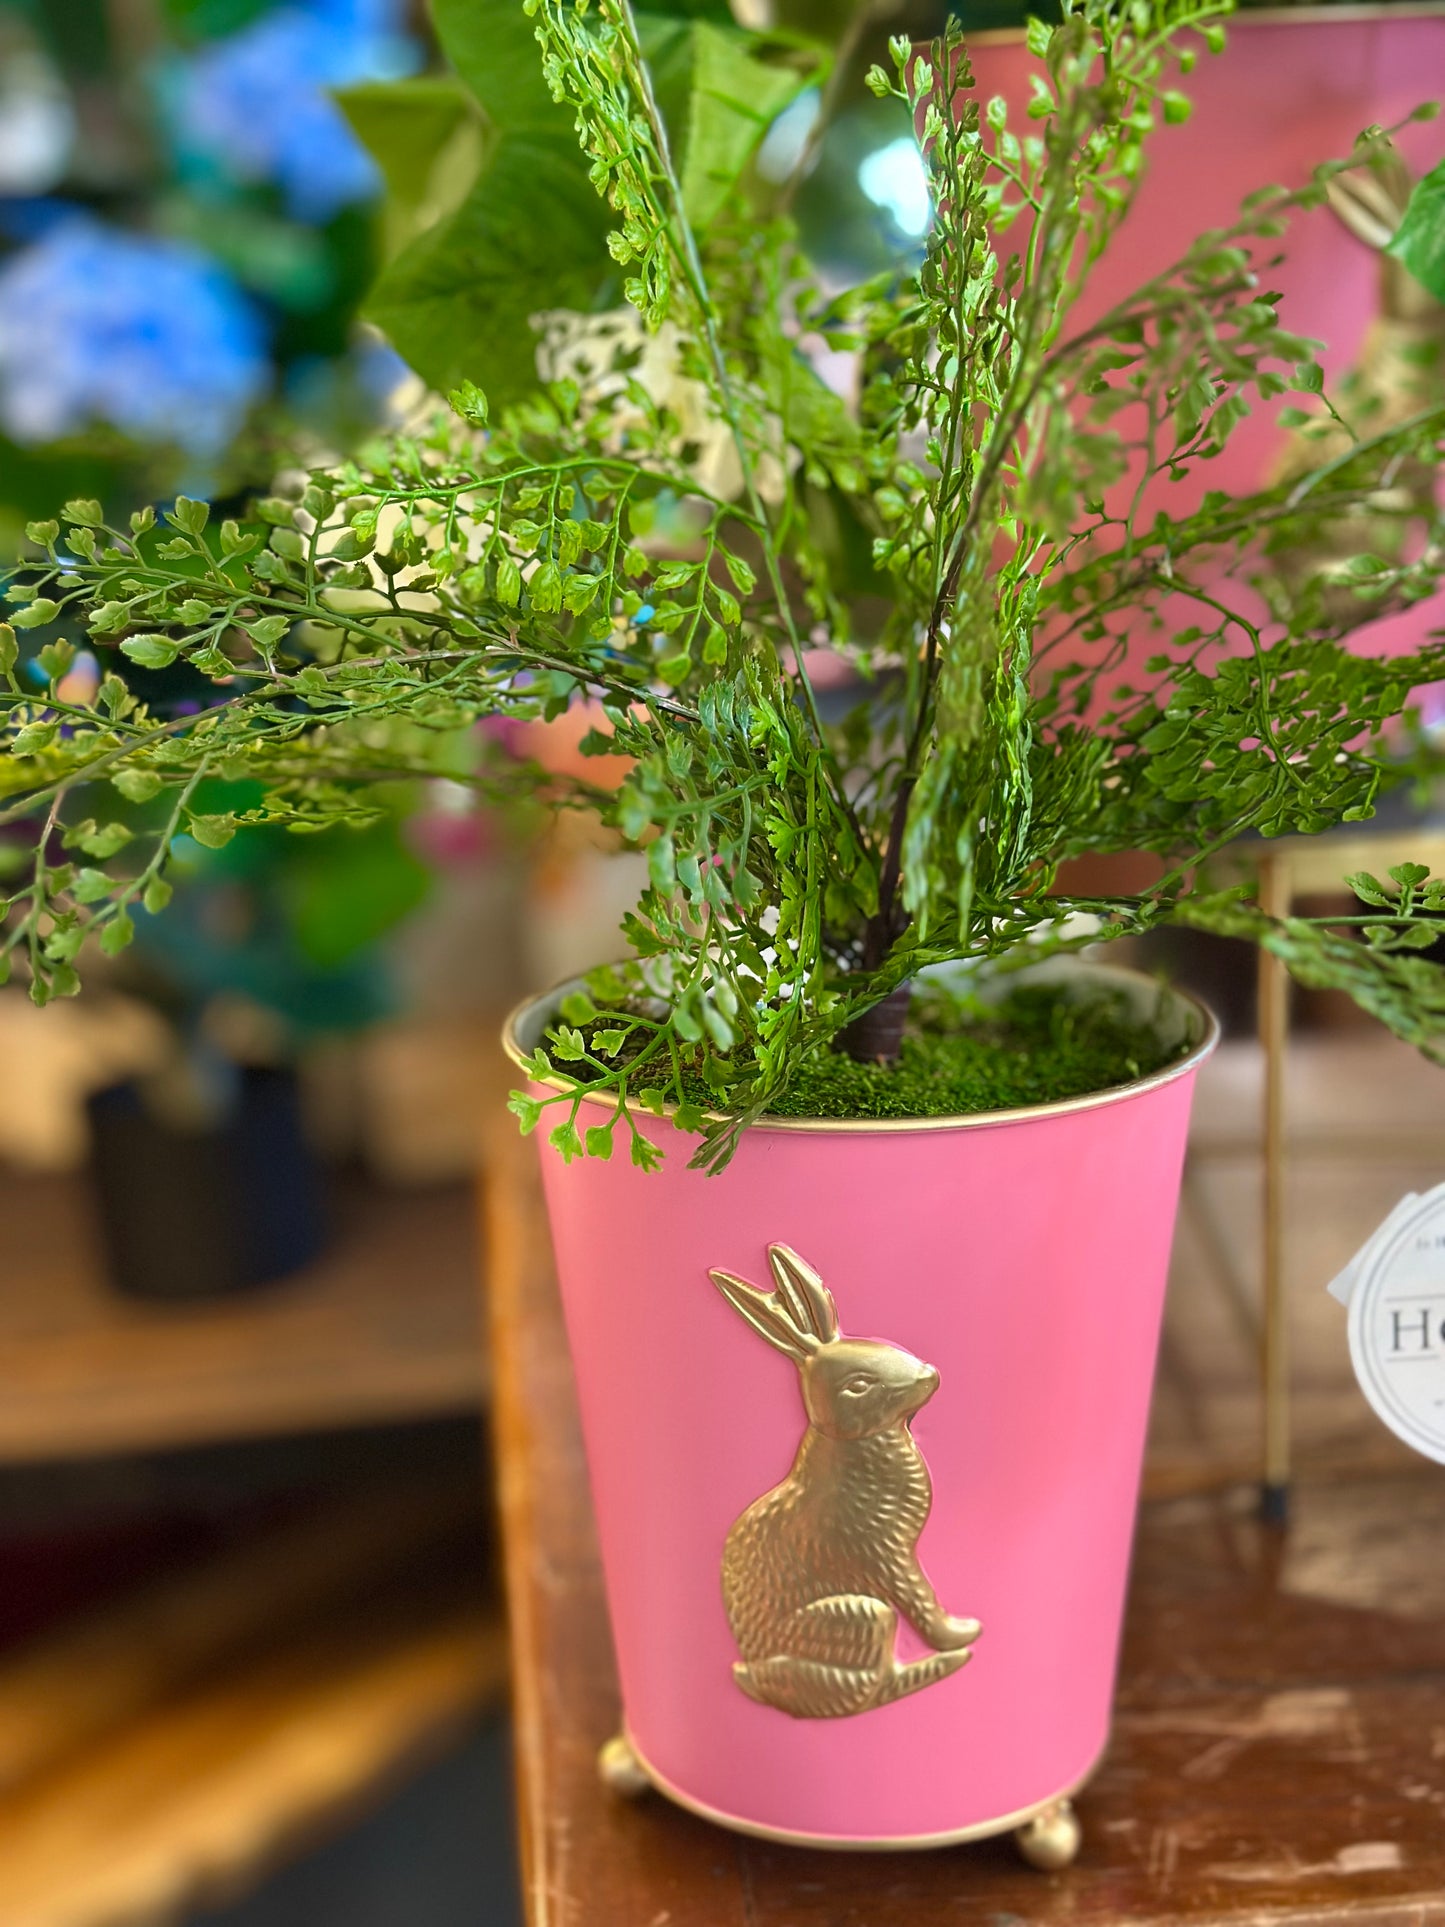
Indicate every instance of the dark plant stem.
{"type": "Point", "coordinates": [886, 924]}
{"type": "Point", "coordinates": [877, 1036]}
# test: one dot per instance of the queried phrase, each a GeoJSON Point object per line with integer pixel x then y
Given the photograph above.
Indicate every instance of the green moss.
{"type": "Point", "coordinates": [1037, 1046]}
{"type": "Point", "coordinates": [961, 1056]}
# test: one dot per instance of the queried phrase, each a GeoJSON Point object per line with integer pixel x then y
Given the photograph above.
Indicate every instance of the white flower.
{"type": "Point", "coordinates": [606, 353]}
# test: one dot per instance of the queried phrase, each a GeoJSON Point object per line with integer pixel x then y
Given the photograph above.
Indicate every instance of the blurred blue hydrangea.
{"type": "Point", "coordinates": [254, 106]}
{"type": "Point", "coordinates": [148, 335]}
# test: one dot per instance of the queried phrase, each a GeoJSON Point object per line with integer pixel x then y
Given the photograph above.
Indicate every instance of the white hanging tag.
{"type": "Point", "coordinates": [1395, 1290]}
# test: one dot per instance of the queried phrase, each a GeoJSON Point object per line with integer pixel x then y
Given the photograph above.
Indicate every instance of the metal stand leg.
{"type": "Point", "coordinates": [1274, 897]}
{"type": "Point", "coordinates": [1051, 1840]}
{"type": "Point", "coordinates": [619, 1768]}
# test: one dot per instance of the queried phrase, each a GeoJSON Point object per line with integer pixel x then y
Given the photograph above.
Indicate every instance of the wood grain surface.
{"type": "Point", "coordinates": [1279, 1746]}
{"type": "Point", "coordinates": [383, 1327]}
{"type": "Point", "coordinates": [163, 1752]}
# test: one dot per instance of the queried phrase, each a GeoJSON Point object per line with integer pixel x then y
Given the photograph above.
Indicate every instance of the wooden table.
{"type": "Point", "coordinates": [1279, 1747]}
{"type": "Point", "coordinates": [165, 1747]}
{"type": "Point", "coordinates": [384, 1327]}
{"type": "Point", "coordinates": [163, 1751]}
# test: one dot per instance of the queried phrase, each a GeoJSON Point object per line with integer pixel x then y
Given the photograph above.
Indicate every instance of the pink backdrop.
{"type": "Point", "coordinates": [1283, 96]}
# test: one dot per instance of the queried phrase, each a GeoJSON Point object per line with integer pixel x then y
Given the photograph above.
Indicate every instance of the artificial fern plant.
{"type": "Point", "coordinates": [666, 525]}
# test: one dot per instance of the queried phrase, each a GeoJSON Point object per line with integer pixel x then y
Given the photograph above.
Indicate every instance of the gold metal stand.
{"type": "Point", "coordinates": [1048, 1835]}
{"type": "Point", "coordinates": [1274, 899]}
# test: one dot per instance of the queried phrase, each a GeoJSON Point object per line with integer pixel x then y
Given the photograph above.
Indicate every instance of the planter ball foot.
{"type": "Point", "coordinates": [619, 1768]}
{"type": "Point", "coordinates": [1050, 1841]}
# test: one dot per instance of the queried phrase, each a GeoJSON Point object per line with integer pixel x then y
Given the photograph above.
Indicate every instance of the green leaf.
{"type": "Point", "coordinates": [528, 1110]}
{"type": "Point", "coordinates": [645, 1154]}
{"type": "Point", "coordinates": [428, 139]}
{"type": "Point", "coordinates": [151, 652]}
{"type": "Point", "coordinates": [136, 785]}
{"type": "Point", "coordinates": [157, 895]}
{"type": "Point", "coordinates": [351, 546]}
{"type": "Point", "coordinates": [457, 302]}
{"type": "Point", "coordinates": [530, 234]}
{"type": "Point", "coordinates": [567, 1045]}
{"type": "Point", "coordinates": [545, 588]}
{"type": "Point", "coordinates": [64, 943]}
{"type": "Point", "coordinates": [492, 46]}
{"type": "Point", "coordinates": [1368, 889]}
{"type": "Point", "coordinates": [471, 403]}
{"type": "Point", "coordinates": [42, 534]}
{"type": "Point", "coordinates": [103, 842]}
{"type": "Point", "coordinates": [288, 544]}
{"type": "Point", "coordinates": [212, 832]}
{"type": "Point", "coordinates": [116, 934]}
{"type": "Point", "coordinates": [90, 886]}
{"type": "Point", "coordinates": [599, 1141]}
{"type": "Point", "coordinates": [1419, 241]}
{"type": "Point", "coordinates": [36, 614]}
{"type": "Point", "coordinates": [56, 658]}
{"type": "Point", "coordinates": [85, 514]}
{"type": "Point", "coordinates": [735, 95]}
{"type": "Point", "coordinates": [661, 863]}
{"type": "Point", "coordinates": [189, 514]}
{"type": "Point", "coordinates": [743, 578]}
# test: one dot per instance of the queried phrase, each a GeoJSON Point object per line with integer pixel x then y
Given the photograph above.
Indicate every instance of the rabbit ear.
{"type": "Point", "coordinates": [767, 1316]}
{"type": "Point", "coordinates": [809, 1301]}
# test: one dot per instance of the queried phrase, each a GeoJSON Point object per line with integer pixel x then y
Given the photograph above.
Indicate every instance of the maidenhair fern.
{"type": "Point", "coordinates": [682, 518]}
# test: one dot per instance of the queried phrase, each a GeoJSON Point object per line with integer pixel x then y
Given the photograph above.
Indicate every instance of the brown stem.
{"type": "Point", "coordinates": [877, 1036]}
{"type": "Point", "coordinates": [885, 925]}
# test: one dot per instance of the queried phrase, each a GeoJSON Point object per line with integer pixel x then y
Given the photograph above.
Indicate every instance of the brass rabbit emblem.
{"type": "Point", "coordinates": [816, 1572]}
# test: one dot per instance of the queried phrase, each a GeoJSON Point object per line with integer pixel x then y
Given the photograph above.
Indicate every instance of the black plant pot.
{"type": "Point", "coordinates": [197, 1213]}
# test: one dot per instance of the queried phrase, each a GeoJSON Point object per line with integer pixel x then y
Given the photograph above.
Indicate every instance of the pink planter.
{"type": "Point", "coordinates": [1022, 1255]}
{"type": "Point", "coordinates": [1290, 90]}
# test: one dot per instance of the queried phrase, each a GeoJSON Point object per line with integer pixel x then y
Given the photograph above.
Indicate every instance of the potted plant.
{"type": "Point", "coordinates": [205, 1178]}
{"type": "Point", "coordinates": [822, 1134]}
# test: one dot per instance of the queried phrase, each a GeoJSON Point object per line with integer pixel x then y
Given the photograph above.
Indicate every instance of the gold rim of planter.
{"type": "Point", "coordinates": [964, 1121]}
{"type": "Point", "coordinates": [840, 1843]}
